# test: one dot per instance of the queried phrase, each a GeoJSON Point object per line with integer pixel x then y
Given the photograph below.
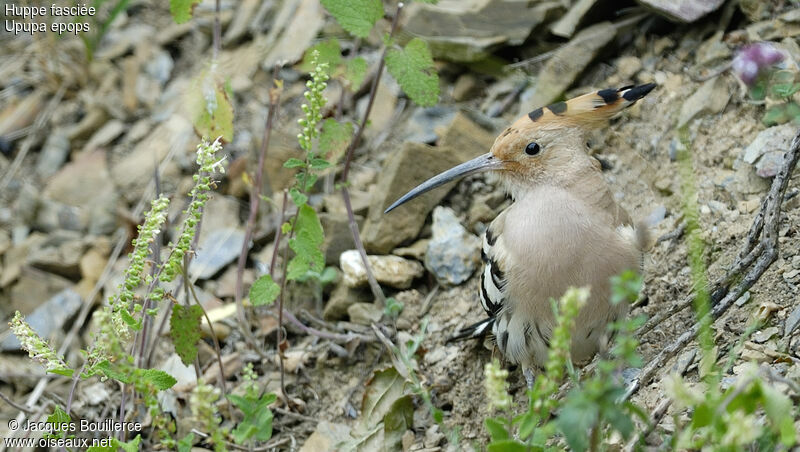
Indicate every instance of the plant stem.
{"type": "Point", "coordinates": [255, 192]}
{"type": "Point", "coordinates": [373, 283]}
{"type": "Point", "coordinates": [217, 349]}
{"type": "Point", "coordinates": [217, 31]}
{"type": "Point", "coordinates": [280, 337]}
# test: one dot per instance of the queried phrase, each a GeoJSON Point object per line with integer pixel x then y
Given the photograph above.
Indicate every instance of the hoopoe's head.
{"type": "Point", "coordinates": [543, 144]}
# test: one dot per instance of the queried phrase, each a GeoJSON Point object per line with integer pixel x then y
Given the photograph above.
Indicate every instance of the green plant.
{"type": "Point", "coordinates": [750, 413]}
{"type": "Point", "coordinates": [412, 65]}
{"type": "Point", "coordinates": [592, 409]}
{"type": "Point", "coordinates": [757, 66]}
{"type": "Point", "coordinates": [115, 352]}
{"type": "Point", "coordinates": [257, 422]}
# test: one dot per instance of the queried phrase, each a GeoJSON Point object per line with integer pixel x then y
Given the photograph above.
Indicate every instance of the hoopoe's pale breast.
{"type": "Point", "coordinates": [545, 242]}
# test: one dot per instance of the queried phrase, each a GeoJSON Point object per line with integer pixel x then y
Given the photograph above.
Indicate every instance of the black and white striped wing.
{"type": "Point", "coordinates": [493, 281]}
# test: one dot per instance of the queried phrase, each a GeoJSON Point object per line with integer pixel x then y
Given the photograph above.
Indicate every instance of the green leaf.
{"type": "Point", "coordinates": [334, 138]}
{"type": "Point", "coordinates": [356, 16]}
{"type": "Point", "coordinates": [297, 197]}
{"type": "Point", "coordinates": [784, 89]}
{"type": "Point", "coordinates": [129, 320]}
{"type": "Point", "coordinates": [264, 291]}
{"type": "Point", "coordinates": [329, 52]}
{"type": "Point", "coordinates": [508, 445]}
{"type": "Point", "coordinates": [104, 367]}
{"type": "Point", "coordinates": [186, 443]}
{"type": "Point", "coordinates": [497, 429]}
{"type": "Point", "coordinates": [393, 308]}
{"type": "Point", "coordinates": [319, 164]}
{"type": "Point", "coordinates": [181, 10]}
{"type": "Point", "coordinates": [306, 244]}
{"type": "Point", "coordinates": [787, 432]}
{"type": "Point", "coordinates": [59, 417]}
{"type": "Point", "coordinates": [64, 372]}
{"type": "Point", "coordinates": [328, 275]}
{"type": "Point", "coordinates": [158, 378]}
{"type": "Point", "coordinates": [703, 416]}
{"type": "Point", "coordinates": [397, 421]}
{"type": "Point", "coordinates": [620, 421]}
{"type": "Point", "coordinates": [777, 405]}
{"type": "Point", "coordinates": [211, 108]}
{"type": "Point", "coordinates": [775, 114]}
{"type": "Point", "coordinates": [413, 69]}
{"type": "Point", "coordinates": [257, 422]}
{"type": "Point", "coordinates": [577, 416]}
{"type": "Point", "coordinates": [294, 163]}
{"type": "Point", "coordinates": [184, 330]}
{"type": "Point", "coordinates": [130, 446]}
{"type": "Point", "coordinates": [354, 72]}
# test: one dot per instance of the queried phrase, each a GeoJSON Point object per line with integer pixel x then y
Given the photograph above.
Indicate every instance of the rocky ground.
{"type": "Point", "coordinates": [79, 142]}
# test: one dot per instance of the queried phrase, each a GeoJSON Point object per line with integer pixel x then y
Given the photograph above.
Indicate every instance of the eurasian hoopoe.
{"type": "Point", "coordinates": [563, 229]}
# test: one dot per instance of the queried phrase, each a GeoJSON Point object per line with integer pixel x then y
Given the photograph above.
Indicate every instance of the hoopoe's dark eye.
{"type": "Point", "coordinates": [532, 148]}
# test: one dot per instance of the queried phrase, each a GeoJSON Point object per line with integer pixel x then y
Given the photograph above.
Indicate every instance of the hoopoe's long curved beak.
{"type": "Point", "coordinates": [485, 162]}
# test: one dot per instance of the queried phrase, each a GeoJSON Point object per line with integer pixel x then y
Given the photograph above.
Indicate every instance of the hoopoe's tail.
{"type": "Point", "coordinates": [474, 331]}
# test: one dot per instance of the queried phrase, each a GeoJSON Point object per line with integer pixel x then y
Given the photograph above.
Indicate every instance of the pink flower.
{"type": "Point", "coordinates": [754, 58]}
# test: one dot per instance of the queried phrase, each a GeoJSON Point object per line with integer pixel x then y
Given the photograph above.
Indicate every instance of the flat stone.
{"type": "Point", "coordinates": [365, 313]}
{"type": "Point", "coordinates": [466, 87]}
{"type": "Point", "coordinates": [49, 317]}
{"type": "Point", "coordinates": [338, 236]}
{"type": "Point", "coordinates": [359, 201]}
{"type": "Point", "coordinates": [327, 437]}
{"type": "Point", "coordinates": [566, 26]}
{"type": "Point", "coordinates": [103, 137]}
{"type": "Point", "coordinates": [424, 123]}
{"type": "Point", "coordinates": [416, 250]}
{"type": "Point", "coordinates": [786, 25]}
{"type": "Point", "coordinates": [413, 164]}
{"type": "Point", "coordinates": [465, 138]}
{"type": "Point", "coordinates": [59, 255]}
{"type": "Point", "coordinates": [341, 299]}
{"type": "Point", "coordinates": [686, 11]}
{"type": "Point", "coordinates": [393, 271]}
{"type": "Point", "coordinates": [768, 148]}
{"type": "Point", "coordinates": [710, 98]}
{"type": "Point", "coordinates": [240, 23]}
{"type": "Point", "coordinates": [453, 253]}
{"type": "Point", "coordinates": [79, 182]}
{"type": "Point", "coordinates": [217, 250]}
{"type": "Point", "coordinates": [300, 22]}
{"type": "Point", "coordinates": [564, 67]}
{"type": "Point", "coordinates": [382, 115]}
{"type": "Point", "coordinates": [759, 337]}
{"type": "Point", "coordinates": [792, 322]}
{"type": "Point", "coordinates": [133, 172]}
{"type": "Point", "coordinates": [53, 215]}
{"type": "Point", "coordinates": [54, 153]}
{"type": "Point", "coordinates": [226, 284]}
{"type": "Point", "coordinates": [458, 30]}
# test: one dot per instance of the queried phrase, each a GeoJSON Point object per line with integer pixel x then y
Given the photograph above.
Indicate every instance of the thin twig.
{"type": "Point", "coordinates": [764, 231]}
{"type": "Point", "coordinates": [255, 201]}
{"type": "Point", "coordinates": [156, 253]}
{"type": "Point", "coordinates": [16, 405]}
{"type": "Point", "coordinates": [38, 125]}
{"type": "Point", "coordinates": [335, 337]}
{"type": "Point", "coordinates": [217, 348]}
{"type": "Point", "coordinates": [373, 283]}
{"type": "Point", "coordinates": [217, 31]}
{"type": "Point", "coordinates": [281, 336]}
